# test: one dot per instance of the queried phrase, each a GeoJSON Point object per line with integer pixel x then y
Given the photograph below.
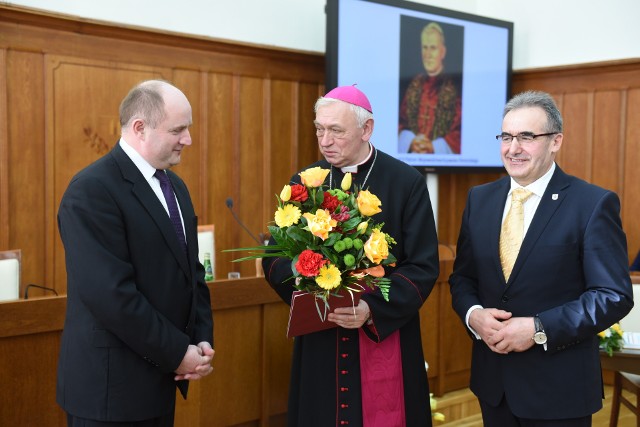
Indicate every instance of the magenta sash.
{"type": "Point", "coordinates": [381, 379]}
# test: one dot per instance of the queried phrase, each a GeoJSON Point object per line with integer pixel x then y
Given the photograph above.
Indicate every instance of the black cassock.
{"type": "Point", "coordinates": [325, 386]}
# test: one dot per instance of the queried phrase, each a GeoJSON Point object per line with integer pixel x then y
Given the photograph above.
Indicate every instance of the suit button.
{"type": "Point", "coordinates": [344, 388]}
{"type": "Point", "coordinates": [345, 355]}
{"type": "Point", "coordinates": [345, 339]}
{"type": "Point", "coordinates": [505, 298]}
{"type": "Point", "coordinates": [344, 423]}
{"type": "Point", "coordinates": [344, 405]}
{"type": "Point", "coordinates": [344, 372]}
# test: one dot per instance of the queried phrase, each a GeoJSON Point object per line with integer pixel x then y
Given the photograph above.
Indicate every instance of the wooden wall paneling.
{"type": "Point", "coordinates": [205, 151]}
{"type": "Point", "coordinates": [33, 402]}
{"type": "Point", "coordinates": [266, 200]}
{"type": "Point", "coordinates": [631, 190]}
{"type": "Point", "coordinates": [429, 321]}
{"type": "Point", "coordinates": [308, 151]}
{"type": "Point", "coordinates": [608, 142]}
{"type": "Point", "coordinates": [189, 411]}
{"type": "Point", "coordinates": [455, 344]}
{"type": "Point", "coordinates": [576, 151]}
{"type": "Point", "coordinates": [28, 397]}
{"type": "Point", "coordinates": [222, 112]}
{"type": "Point", "coordinates": [445, 341]}
{"type": "Point", "coordinates": [452, 198]}
{"type": "Point", "coordinates": [278, 350]}
{"type": "Point", "coordinates": [283, 141]}
{"type": "Point", "coordinates": [293, 140]}
{"type": "Point", "coordinates": [90, 39]}
{"type": "Point", "coordinates": [586, 78]}
{"type": "Point", "coordinates": [250, 167]}
{"type": "Point", "coordinates": [25, 161]}
{"type": "Point", "coordinates": [82, 125]}
{"type": "Point", "coordinates": [189, 169]}
{"type": "Point", "coordinates": [4, 154]}
{"type": "Point", "coordinates": [232, 393]}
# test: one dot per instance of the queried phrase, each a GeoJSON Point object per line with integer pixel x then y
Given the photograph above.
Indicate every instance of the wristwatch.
{"type": "Point", "coordinates": [539, 337]}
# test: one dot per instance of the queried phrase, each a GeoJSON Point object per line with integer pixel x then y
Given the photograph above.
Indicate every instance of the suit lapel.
{"type": "Point", "coordinates": [496, 203]}
{"type": "Point", "coordinates": [551, 201]}
{"type": "Point", "coordinates": [143, 192]}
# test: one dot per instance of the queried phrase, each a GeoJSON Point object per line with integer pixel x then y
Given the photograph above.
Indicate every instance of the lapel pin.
{"type": "Point", "coordinates": [554, 196]}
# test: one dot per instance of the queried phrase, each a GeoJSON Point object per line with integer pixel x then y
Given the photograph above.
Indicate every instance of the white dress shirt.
{"type": "Point", "coordinates": [147, 171]}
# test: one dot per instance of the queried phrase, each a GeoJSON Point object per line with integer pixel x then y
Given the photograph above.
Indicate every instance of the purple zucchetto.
{"type": "Point", "coordinates": [352, 95]}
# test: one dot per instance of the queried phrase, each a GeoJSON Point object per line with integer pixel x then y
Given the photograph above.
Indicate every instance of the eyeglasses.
{"type": "Point", "coordinates": [332, 132]}
{"type": "Point", "coordinates": [522, 137]}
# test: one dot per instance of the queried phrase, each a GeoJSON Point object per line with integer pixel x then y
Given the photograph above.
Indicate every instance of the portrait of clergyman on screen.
{"type": "Point", "coordinates": [430, 104]}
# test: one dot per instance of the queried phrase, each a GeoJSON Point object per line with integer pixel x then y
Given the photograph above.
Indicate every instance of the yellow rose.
{"type": "Point", "coordinates": [285, 194]}
{"type": "Point", "coordinates": [616, 328]}
{"type": "Point", "coordinates": [362, 227]}
{"type": "Point", "coordinates": [376, 248]}
{"type": "Point", "coordinates": [368, 203]}
{"type": "Point", "coordinates": [287, 216]}
{"type": "Point", "coordinates": [321, 223]}
{"type": "Point", "coordinates": [314, 177]}
{"type": "Point", "coordinates": [346, 182]}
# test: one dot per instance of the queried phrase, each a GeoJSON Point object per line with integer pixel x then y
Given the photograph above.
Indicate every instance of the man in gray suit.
{"type": "Point", "coordinates": [138, 319]}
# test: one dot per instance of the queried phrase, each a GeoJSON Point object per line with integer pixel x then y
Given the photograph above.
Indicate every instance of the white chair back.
{"type": "Point", "coordinates": [10, 274]}
{"type": "Point", "coordinates": [631, 322]}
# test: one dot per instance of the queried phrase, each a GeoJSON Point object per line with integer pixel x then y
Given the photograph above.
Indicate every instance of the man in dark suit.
{"type": "Point", "coordinates": [535, 322]}
{"type": "Point", "coordinates": [138, 319]}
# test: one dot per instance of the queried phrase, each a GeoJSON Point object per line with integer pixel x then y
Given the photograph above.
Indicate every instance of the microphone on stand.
{"type": "Point", "coordinates": [32, 285]}
{"type": "Point", "coordinates": [229, 203]}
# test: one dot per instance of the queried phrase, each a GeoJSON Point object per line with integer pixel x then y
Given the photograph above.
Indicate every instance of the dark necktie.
{"type": "Point", "coordinates": [174, 213]}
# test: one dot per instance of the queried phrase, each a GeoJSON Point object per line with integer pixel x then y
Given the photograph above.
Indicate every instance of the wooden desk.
{"type": "Point", "coordinates": [251, 364]}
{"type": "Point", "coordinates": [250, 382]}
{"type": "Point", "coordinates": [625, 360]}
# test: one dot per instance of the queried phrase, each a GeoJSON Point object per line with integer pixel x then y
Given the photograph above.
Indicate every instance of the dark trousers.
{"type": "Point", "coordinates": [164, 421]}
{"type": "Point", "coordinates": [501, 416]}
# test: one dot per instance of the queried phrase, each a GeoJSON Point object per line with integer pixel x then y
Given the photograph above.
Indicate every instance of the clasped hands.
{"type": "Point", "coordinates": [196, 362]}
{"type": "Point", "coordinates": [421, 144]}
{"type": "Point", "coordinates": [350, 317]}
{"type": "Point", "coordinates": [501, 332]}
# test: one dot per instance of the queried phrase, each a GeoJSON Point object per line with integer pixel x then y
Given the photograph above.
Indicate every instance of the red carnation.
{"type": "Point", "coordinates": [330, 202]}
{"type": "Point", "coordinates": [309, 263]}
{"type": "Point", "coordinates": [299, 193]}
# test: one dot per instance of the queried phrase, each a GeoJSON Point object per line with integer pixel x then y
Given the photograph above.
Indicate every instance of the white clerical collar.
{"type": "Point", "coordinates": [354, 168]}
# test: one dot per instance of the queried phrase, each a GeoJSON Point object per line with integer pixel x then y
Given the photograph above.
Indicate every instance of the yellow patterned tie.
{"type": "Point", "coordinates": [512, 231]}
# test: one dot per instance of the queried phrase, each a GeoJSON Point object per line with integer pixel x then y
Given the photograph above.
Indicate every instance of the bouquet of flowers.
{"type": "Point", "coordinates": [611, 339]}
{"type": "Point", "coordinates": [328, 234]}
